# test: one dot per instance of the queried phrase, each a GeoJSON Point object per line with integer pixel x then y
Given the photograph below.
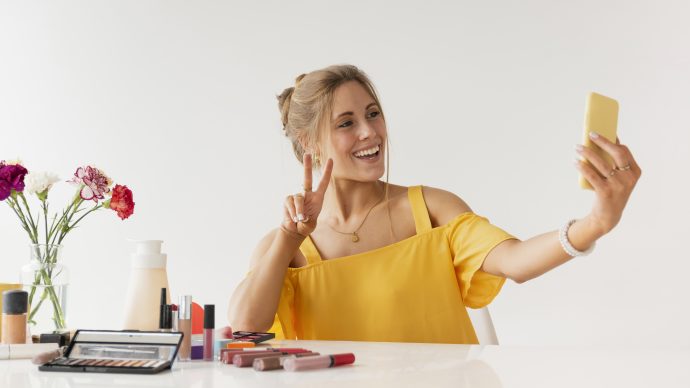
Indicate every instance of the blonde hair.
{"type": "Point", "coordinates": [306, 108]}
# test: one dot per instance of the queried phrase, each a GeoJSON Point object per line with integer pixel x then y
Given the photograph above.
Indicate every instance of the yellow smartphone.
{"type": "Point", "coordinates": [601, 116]}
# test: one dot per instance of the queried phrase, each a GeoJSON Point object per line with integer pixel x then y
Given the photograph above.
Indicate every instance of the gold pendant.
{"type": "Point", "coordinates": [355, 237]}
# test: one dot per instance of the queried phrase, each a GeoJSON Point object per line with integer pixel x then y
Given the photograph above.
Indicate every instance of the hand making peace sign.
{"type": "Point", "coordinates": [302, 209]}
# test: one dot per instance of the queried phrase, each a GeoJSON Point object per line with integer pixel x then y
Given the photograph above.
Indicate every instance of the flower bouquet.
{"type": "Point", "coordinates": [47, 232]}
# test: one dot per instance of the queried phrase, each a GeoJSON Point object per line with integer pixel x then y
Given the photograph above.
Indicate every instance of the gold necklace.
{"type": "Point", "coordinates": [354, 235]}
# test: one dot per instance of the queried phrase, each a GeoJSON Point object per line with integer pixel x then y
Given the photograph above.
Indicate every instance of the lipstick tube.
{"type": "Point", "coordinates": [318, 362]}
{"type": "Point", "coordinates": [226, 355]}
{"type": "Point", "coordinates": [276, 362]}
{"type": "Point", "coordinates": [243, 360]}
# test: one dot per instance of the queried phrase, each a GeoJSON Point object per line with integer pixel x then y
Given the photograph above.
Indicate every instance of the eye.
{"type": "Point", "coordinates": [374, 114]}
{"type": "Point", "coordinates": [345, 124]}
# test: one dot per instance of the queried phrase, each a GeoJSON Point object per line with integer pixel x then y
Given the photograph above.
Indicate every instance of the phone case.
{"type": "Point", "coordinates": [601, 116]}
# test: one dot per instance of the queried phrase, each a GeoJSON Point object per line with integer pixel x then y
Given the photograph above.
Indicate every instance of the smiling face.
{"type": "Point", "coordinates": [356, 135]}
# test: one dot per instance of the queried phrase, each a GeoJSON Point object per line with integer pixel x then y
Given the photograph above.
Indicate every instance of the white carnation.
{"type": "Point", "coordinates": [13, 162]}
{"type": "Point", "coordinates": [38, 182]}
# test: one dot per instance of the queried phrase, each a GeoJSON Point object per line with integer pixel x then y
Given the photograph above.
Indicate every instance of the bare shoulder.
{"type": "Point", "coordinates": [397, 196]}
{"type": "Point", "coordinates": [443, 205]}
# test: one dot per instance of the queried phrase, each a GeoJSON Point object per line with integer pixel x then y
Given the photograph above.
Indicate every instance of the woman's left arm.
{"type": "Point", "coordinates": [525, 260]}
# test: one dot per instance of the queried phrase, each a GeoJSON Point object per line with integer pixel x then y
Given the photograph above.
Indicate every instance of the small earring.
{"type": "Point", "coordinates": [316, 159]}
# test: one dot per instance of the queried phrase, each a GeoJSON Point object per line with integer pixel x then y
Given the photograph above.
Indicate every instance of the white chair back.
{"type": "Point", "coordinates": [483, 326]}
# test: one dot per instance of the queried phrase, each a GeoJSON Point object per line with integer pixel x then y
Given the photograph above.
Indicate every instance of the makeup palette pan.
{"type": "Point", "coordinates": [104, 351]}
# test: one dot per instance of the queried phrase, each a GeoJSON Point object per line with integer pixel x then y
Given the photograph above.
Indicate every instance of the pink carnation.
{"type": "Point", "coordinates": [95, 182]}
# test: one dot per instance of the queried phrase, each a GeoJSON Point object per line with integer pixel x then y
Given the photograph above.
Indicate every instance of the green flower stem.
{"type": "Point", "coordinates": [76, 202]}
{"type": "Point", "coordinates": [49, 290]}
{"type": "Point", "coordinates": [36, 282]}
{"type": "Point", "coordinates": [34, 309]}
{"type": "Point", "coordinates": [70, 227]}
{"type": "Point", "coordinates": [31, 218]}
{"type": "Point", "coordinates": [54, 235]}
{"type": "Point", "coordinates": [44, 205]}
{"type": "Point", "coordinates": [45, 277]}
{"type": "Point", "coordinates": [18, 211]}
{"type": "Point", "coordinates": [57, 309]}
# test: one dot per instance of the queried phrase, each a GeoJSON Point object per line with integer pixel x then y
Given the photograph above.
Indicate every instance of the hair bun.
{"type": "Point", "coordinates": [299, 79]}
{"type": "Point", "coordinates": [284, 104]}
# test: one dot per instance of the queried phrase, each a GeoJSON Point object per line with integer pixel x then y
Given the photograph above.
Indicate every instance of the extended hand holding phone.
{"type": "Point", "coordinates": [601, 116]}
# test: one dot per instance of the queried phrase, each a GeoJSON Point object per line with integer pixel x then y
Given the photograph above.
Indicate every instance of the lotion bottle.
{"type": "Point", "coordinates": [148, 275]}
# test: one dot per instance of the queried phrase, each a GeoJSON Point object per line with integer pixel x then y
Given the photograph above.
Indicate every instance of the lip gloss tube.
{"type": "Point", "coordinates": [318, 362]}
{"type": "Point", "coordinates": [243, 360]}
{"type": "Point", "coordinates": [209, 326]}
{"type": "Point", "coordinates": [184, 324]}
{"type": "Point", "coordinates": [226, 355]}
{"type": "Point", "coordinates": [276, 362]}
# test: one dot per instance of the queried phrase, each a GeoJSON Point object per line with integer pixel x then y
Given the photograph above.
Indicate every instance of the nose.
{"type": "Point", "coordinates": [366, 131]}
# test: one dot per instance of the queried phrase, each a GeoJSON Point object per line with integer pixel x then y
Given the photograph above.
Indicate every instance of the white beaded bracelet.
{"type": "Point", "coordinates": [567, 246]}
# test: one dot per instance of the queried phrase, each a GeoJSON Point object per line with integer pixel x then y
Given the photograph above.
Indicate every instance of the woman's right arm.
{"type": "Point", "coordinates": [254, 303]}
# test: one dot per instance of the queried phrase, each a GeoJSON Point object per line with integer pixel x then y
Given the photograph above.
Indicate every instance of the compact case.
{"type": "Point", "coordinates": [108, 351]}
{"type": "Point", "coordinates": [252, 336]}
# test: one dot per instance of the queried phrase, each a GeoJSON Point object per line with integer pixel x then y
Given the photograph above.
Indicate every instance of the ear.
{"type": "Point", "coordinates": [314, 150]}
{"type": "Point", "coordinates": [315, 156]}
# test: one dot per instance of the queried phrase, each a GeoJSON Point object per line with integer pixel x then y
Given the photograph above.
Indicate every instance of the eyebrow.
{"type": "Point", "coordinates": [351, 113]}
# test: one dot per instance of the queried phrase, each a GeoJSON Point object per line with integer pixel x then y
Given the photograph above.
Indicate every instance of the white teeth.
{"type": "Point", "coordinates": [370, 151]}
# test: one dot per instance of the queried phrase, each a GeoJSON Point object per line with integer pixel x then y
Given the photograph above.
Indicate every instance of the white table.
{"type": "Point", "coordinates": [405, 365]}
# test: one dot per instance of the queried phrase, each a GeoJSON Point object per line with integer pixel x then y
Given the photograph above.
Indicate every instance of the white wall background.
{"type": "Point", "coordinates": [177, 100]}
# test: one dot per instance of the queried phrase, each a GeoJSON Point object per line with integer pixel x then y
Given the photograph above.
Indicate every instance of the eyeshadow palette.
{"type": "Point", "coordinates": [105, 351]}
{"type": "Point", "coordinates": [251, 336]}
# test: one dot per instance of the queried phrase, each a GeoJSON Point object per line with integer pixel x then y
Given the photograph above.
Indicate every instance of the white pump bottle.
{"type": "Point", "coordinates": [148, 275]}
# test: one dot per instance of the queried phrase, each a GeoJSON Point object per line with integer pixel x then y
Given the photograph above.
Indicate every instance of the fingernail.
{"type": "Point", "coordinates": [294, 219]}
{"type": "Point", "coordinates": [593, 135]}
{"type": "Point", "coordinates": [578, 147]}
{"type": "Point", "coordinates": [300, 217]}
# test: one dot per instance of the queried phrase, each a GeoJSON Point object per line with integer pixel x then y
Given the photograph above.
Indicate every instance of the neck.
{"type": "Point", "coordinates": [348, 200]}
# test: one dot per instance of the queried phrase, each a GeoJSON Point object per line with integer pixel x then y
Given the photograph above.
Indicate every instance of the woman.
{"type": "Point", "coordinates": [357, 258]}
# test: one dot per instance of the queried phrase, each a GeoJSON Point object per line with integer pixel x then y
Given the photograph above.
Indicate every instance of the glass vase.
{"type": "Point", "coordinates": [46, 280]}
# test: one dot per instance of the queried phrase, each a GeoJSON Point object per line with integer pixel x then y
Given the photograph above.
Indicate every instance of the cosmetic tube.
{"type": "Point", "coordinates": [19, 351]}
{"type": "Point", "coordinates": [244, 360]}
{"type": "Point", "coordinates": [166, 319]}
{"type": "Point", "coordinates": [227, 355]}
{"type": "Point", "coordinates": [276, 362]}
{"type": "Point", "coordinates": [15, 304]}
{"type": "Point", "coordinates": [174, 317]}
{"type": "Point", "coordinates": [184, 324]}
{"type": "Point", "coordinates": [318, 362]}
{"type": "Point", "coordinates": [209, 326]}
{"type": "Point", "coordinates": [161, 314]}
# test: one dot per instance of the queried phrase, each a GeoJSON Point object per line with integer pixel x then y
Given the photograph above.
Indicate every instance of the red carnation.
{"type": "Point", "coordinates": [122, 201]}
